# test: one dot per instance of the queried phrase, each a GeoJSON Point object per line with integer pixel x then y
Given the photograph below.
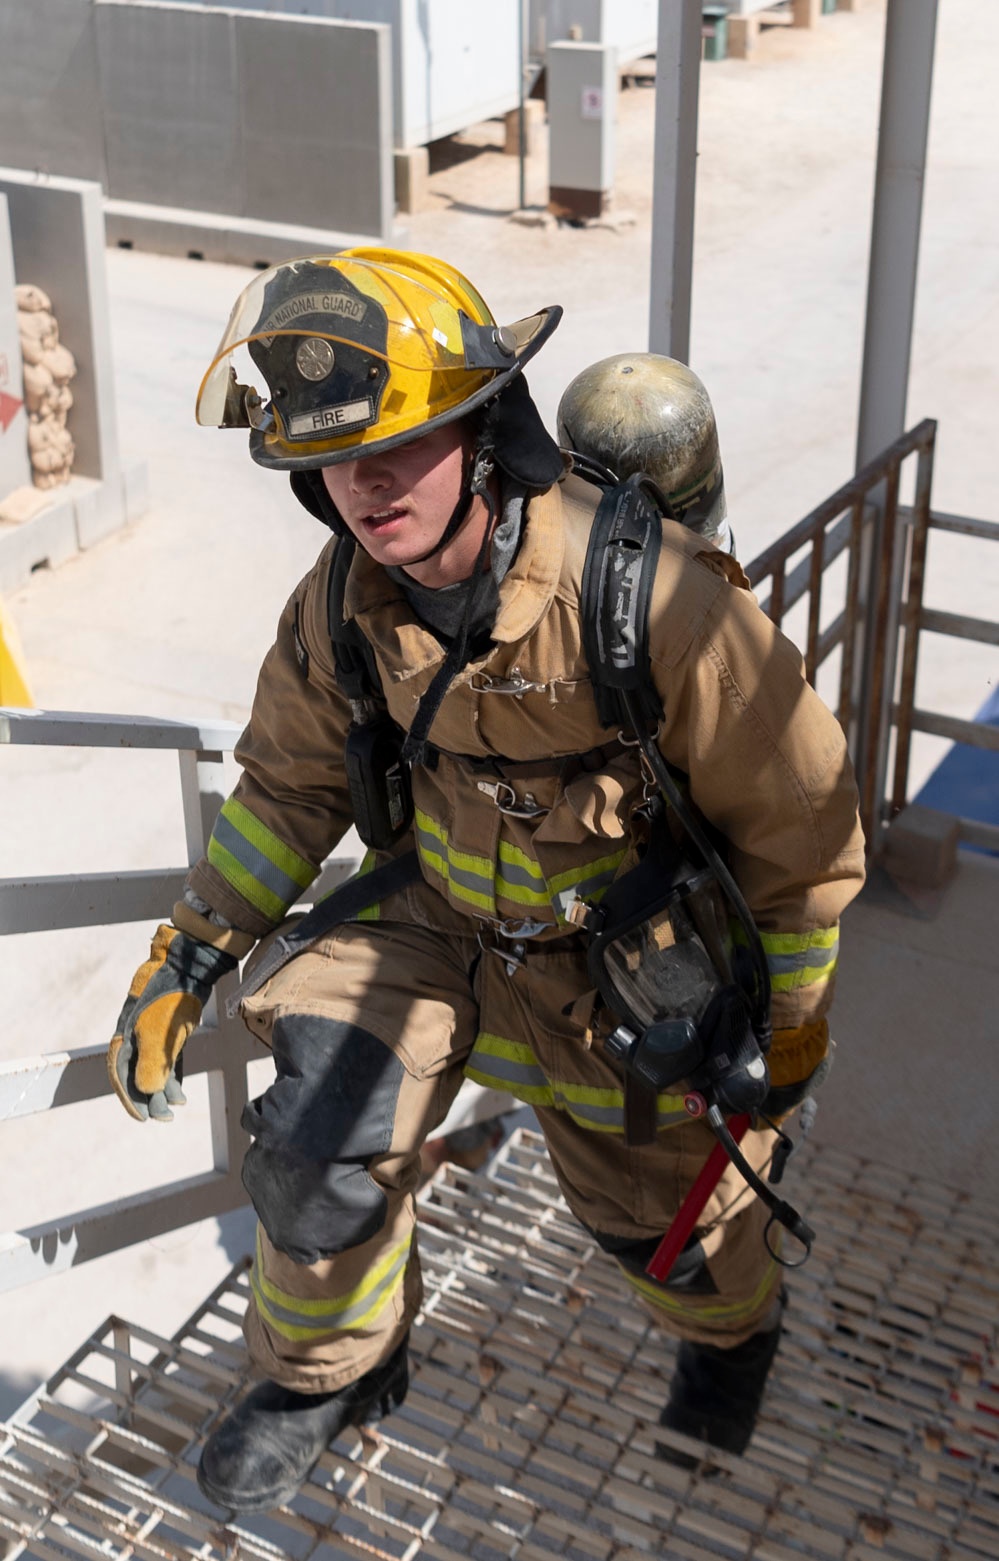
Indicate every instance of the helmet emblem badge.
{"type": "Point", "coordinates": [315, 358]}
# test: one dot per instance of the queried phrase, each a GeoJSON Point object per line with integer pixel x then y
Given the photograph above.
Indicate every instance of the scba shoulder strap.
{"type": "Point", "coordinates": [621, 561]}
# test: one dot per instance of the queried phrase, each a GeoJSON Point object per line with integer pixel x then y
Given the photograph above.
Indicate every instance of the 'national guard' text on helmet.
{"type": "Point", "coordinates": [642, 412]}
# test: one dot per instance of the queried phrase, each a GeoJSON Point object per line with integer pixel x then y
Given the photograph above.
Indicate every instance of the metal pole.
{"type": "Point", "coordinates": [907, 76]}
{"type": "Point", "coordinates": [906, 83]}
{"type": "Point", "coordinates": [521, 115]}
{"type": "Point", "coordinates": [678, 70]}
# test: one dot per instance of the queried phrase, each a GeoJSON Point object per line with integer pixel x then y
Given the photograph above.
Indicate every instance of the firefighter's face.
{"type": "Point", "coordinates": [398, 502]}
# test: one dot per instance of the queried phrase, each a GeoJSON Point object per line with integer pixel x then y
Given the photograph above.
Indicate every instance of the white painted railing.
{"type": "Point", "coordinates": [221, 1048]}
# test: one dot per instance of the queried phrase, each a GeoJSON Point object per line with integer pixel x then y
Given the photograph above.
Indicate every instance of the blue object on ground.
{"type": "Point", "coordinates": [966, 781]}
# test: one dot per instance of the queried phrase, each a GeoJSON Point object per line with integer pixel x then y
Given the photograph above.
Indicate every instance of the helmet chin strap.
{"type": "Point", "coordinates": [414, 749]}
{"type": "Point", "coordinates": [477, 473]}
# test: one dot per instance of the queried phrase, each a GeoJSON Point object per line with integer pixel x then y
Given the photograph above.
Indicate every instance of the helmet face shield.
{"type": "Point", "coordinates": [350, 351]}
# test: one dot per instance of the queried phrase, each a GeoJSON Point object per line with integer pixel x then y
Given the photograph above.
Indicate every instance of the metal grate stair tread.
{"type": "Point", "coordinates": [531, 1424]}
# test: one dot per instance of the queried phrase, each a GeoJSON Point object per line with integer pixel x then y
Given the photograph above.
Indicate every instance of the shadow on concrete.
{"type": "Point", "coordinates": [450, 152]}
{"type": "Point", "coordinates": [14, 1389]}
{"type": "Point", "coordinates": [237, 1233]}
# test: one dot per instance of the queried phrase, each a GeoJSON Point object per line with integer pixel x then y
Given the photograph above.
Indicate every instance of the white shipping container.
{"type": "Point", "coordinates": [630, 26]}
{"type": "Point", "coordinates": [454, 62]}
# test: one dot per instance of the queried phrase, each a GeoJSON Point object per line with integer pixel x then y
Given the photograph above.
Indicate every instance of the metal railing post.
{"type": "Point", "coordinates": [202, 780]}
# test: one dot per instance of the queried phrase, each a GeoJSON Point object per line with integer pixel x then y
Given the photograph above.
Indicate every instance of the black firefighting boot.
{"type": "Point", "coordinates": [716, 1394]}
{"type": "Point", "coordinates": [261, 1455]}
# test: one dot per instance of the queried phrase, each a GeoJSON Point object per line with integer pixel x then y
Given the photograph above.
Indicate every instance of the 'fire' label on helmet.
{"type": "Point", "coordinates": [347, 415]}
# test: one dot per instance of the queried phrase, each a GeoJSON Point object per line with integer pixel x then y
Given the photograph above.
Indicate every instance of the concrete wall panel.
{"type": "Point", "coordinates": [170, 105]}
{"type": "Point", "coordinates": [15, 467]}
{"type": "Point", "coordinates": [316, 122]}
{"type": "Point", "coordinates": [57, 233]}
{"type": "Point", "coordinates": [50, 98]}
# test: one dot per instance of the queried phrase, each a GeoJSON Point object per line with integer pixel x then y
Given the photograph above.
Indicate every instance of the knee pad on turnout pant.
{"type": "Point", "coordinates": [328, 1114]}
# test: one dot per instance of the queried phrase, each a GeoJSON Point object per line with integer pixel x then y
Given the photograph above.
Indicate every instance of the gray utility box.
{"type": "Point", "coordinates": [454, 62]}
{"type": "Point", "coordinates": [582, 111]}
{"type": "Point", "coordinates": [629, 26]}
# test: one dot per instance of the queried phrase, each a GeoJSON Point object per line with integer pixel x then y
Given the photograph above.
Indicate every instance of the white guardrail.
{"type": "Point", "coordinates": [45, 1082]}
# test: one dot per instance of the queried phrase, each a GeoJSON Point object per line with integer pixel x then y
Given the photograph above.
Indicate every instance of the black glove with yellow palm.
{"type": "Point", "coordinates": [162, 1009]}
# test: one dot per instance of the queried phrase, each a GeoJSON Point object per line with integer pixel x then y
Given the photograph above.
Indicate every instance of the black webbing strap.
{"type": "Point", "coordinates": [344, 904]}
{"type": "Point", "coordinates": [618, 575]}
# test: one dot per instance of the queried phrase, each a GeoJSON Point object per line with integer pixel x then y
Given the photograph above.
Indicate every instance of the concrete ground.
{"type": "Point", "coordinates": [172, 617]}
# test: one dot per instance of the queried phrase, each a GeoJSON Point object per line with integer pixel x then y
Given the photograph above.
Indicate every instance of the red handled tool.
{"type": "Point", "coordinates": [675, 1239]}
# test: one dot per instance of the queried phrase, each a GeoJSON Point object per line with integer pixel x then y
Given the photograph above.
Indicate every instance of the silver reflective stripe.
{"type": "Point", "coordinates": [256, 864]}
{"type": "Point", "coordinates": [439, 852]}
{"type": "Point", "coordinates": [506, 1071]}
{"type": "Point", "coordinates": [336, 1319]}
{"type": "Point", "coordinates": [814, 957]}
{"type": "Point", "coordinates": [522, 876]}
{"type": "Point", "coordinates": [586, 1111]}
{"type": "Point", "coordinates": [590, 886]}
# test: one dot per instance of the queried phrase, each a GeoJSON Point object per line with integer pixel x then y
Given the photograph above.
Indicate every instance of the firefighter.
{"type": "Point", "coordinates": [642, 412]}
{"type": "Point", "coordinates": [384, 386]}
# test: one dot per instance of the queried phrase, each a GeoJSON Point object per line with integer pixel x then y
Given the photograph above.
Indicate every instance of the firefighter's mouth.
{"type": "Point", "coordinates": [380, 520]}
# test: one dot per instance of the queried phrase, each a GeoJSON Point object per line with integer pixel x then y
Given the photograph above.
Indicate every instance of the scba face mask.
{"type": "Point", "coordinates": [662, 957]}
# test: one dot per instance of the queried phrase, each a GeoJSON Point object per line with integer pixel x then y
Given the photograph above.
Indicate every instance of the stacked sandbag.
{"type": "Point", "coordinates": [48, 369]}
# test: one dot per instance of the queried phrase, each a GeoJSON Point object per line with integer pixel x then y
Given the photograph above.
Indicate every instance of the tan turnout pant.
{"type": "Point", "coordinates": [371, 1030]}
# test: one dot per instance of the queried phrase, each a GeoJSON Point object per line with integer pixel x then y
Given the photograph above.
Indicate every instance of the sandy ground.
{"type": "Point", "coordinates": [173, 616]}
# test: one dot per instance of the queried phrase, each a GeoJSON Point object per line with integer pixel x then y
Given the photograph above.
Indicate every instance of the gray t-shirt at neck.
{"type": "Point", "coordinates": [442, 607]}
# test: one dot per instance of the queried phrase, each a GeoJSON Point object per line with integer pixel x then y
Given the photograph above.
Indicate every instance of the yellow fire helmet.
{"type": "Point", "coordinates": [360, 351]}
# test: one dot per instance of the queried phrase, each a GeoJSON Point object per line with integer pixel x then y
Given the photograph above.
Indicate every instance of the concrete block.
{"type": "Point", "coordinates": [57, 235]}
{"type": "Point", "coordinates": [171, 116]}
{"type": "Point", "coordinates": [412, 179]}
{"type": "Point", "coordinates": [42, 543]}
{"type": "Point", "coordinates": [314, 155]}
{"type": "Point", "coordinates": [239, 241]}
{"type": "Point", "coordinates": [921, 846]}
{"type": "Point", "coordinates": [582, 112]}
{"type": "Point", "coordinates": [805, 13]}
{"type": "Point", "coordinates": [134, 491]}
{"type": "Point", "coordinates": [743, 32]}
{"type": "Point", "coordinates": [50, 90]}
{"type": "Point", "coordinates": [534, 119]}
{"type": "Point", "coordinates": [15, 466]}
{"type": "Point", "coordinates": [99, 510]}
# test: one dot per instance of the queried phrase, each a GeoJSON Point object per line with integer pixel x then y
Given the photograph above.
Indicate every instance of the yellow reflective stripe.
{"type": "Point", "coordinates": [797, 959]}
{"type": "Point", "coordinates": [469, 877]}
{"type": "Point", "coordinates": [517, 861]}
{"type": "Point", "coordinates": [807, 975]}
{"type": "Point", "coordinates": [510, 1065]}
{"type": "Point", "coordinates": [259, 866]}
{"type": "Point", "coordinates": [798, 942]}
{"type": "Point", "coordinates": [731, 1311]}
{"type": "Point", "coordinates": [268, 844]}
{"type": "Point", "coordinates": [330, 1316]}
{"type": "Point", "coordinates": [244, 883]}
{"type": "Point", "coordinates": [530, 1094]}
{"type": "Point", "coordinates": [515, 876]}
{"type": "Point", "coordinates": [578, 875]}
